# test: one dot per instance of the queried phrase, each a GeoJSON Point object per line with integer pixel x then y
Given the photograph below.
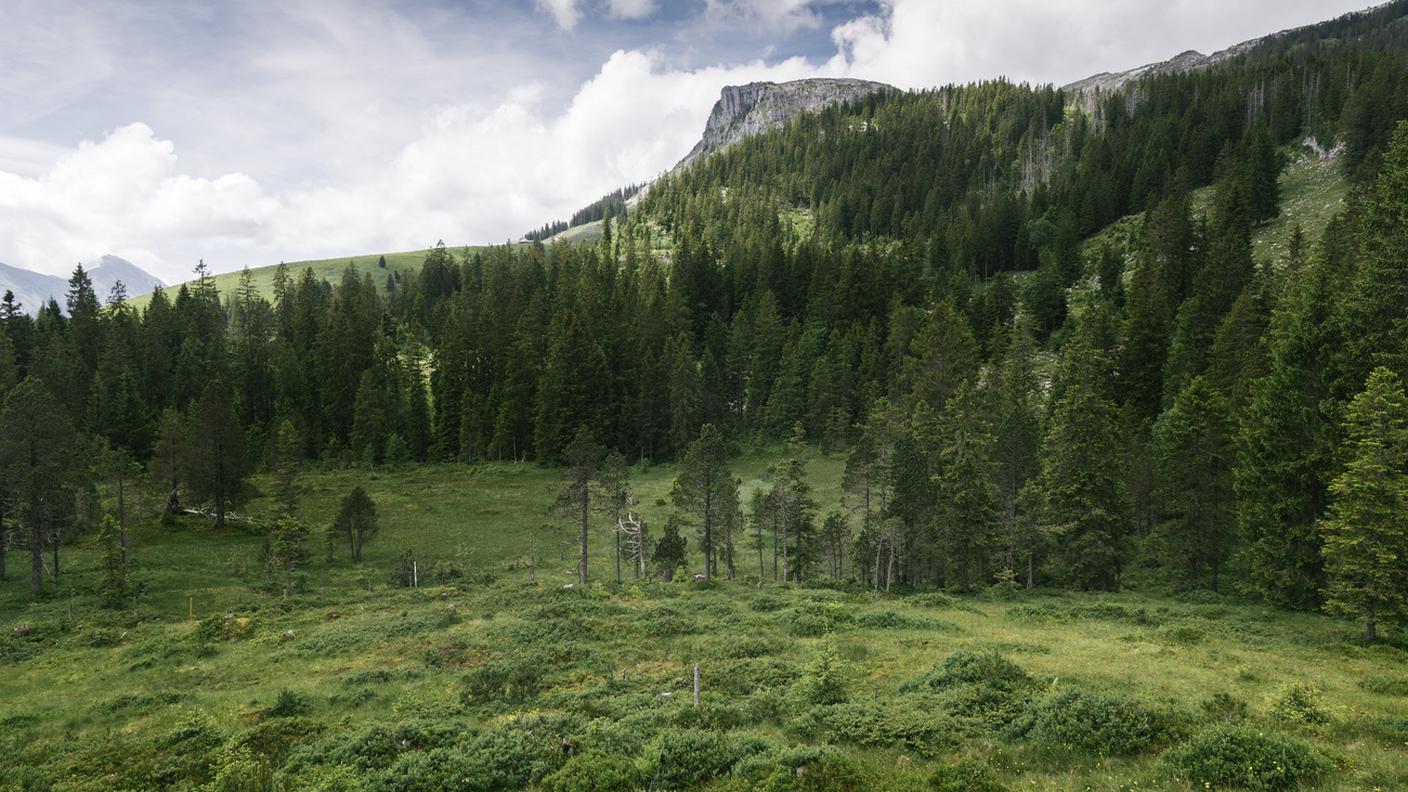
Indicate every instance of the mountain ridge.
{"type": "Point", "coordinates": [33, 289]}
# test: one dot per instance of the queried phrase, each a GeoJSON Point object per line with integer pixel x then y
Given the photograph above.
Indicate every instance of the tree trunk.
{"type": "Point", "coordinates": [586, 517]}
{"type": "Point", "coordinates": [709, 534]}
{"type": "Point", "coordinates": [1031, 571]}
{"type": "Point", "coordinates": [618, 551]}
{"type": "Point", "coordinates": [56, 555]}
{"type": "Point", "coordinates": [36, 554]}
{"type": "Point", "coordinates": [121, 524]}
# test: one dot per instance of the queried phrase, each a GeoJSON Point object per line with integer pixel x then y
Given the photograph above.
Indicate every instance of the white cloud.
{"type": "Point", "coordinates": [630, 9]}
{"type": "Point", "coordinates": [344, 127]}
{"type": "Point", "coordinates": [564, 12]}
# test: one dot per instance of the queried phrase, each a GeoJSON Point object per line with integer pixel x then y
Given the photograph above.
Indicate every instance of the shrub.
{"type": "Point", "coordinates": [1238, 757]}
{"type": "Point", "coordinates": [511, 756]}
{"type": "Point", "coordinates": [288, 704]}
{"type": "Point", "coordinates": [1225, 707]}
{"type": "Point", "coordinates": [800, 769]}
{"type": "Point", "coordinates": [767, 604]}
{"type": "Point", "coordinates": [594, 772]}
{"type": "Point", "coordinates": [1299, 703]}
{"type": "Point", "coordinates": [894, 620]}
{"type": "Point", "coordinates": [1094, 723]}
{"type": "Point", "coordinates": [682, 758]}
{"type": "Point", "coordinates": [514, 677]}
{"type": "Point", "coordinates": [812, 619]}
{"type": "Point", "coordinates": [826, 680]}
{"type": "Point", "coordinates": [911, 724]}
{"type": "Point", "coordinates": [966, 776]}
{"type": "Point", "coordinates": [986, 688]}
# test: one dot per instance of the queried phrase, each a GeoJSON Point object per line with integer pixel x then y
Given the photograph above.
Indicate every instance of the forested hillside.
{"type": "Point", "coordinates": [901, 279]}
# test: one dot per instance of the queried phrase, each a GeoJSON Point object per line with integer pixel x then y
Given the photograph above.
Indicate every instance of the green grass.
{"type": "Point", "coordinates": [1313, 191]}
{"type": "Point", "coordinates": [94, 699]}
{"type": "Point", "coordinates": [323, 269]}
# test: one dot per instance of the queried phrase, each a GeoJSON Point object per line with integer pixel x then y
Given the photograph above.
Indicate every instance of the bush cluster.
{"type": "Point", "coordinates": [1238, 757]}
{"type": "Point", "coordinates": [1095, 723]}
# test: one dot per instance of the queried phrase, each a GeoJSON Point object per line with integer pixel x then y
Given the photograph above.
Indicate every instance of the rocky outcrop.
{"type": "Point", "coordinates": [746, 110]}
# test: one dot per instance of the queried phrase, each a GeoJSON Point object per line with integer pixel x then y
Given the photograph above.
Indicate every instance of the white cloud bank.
{"type": "Point", "coordinates": [488, 171]}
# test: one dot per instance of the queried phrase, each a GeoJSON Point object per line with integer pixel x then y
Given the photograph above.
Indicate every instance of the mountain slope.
{"type": "Point", "coordinates": [33, 289]}
{"type": "Point", "coordinates": [747, 110]}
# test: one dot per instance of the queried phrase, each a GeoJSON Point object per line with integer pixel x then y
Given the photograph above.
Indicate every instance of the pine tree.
{"type": "Point", "coordinates": [38, 467]}
{"type": "Point", "coordinates": [115, 589]}
{"type": "Point", "coordinates": [704, 489]}
{"type": "Point", "coordinates": [1195, 455]}
{"type": "Point", "coordinates": [1366, 530]}
{"type": "Point", "coordinates": [215, 463]}
{"type": "Point", "coordinates": [356, 522]}
{"type": "Point", "coordinates": [614, 478]}
{"type": "Point", "coordinates": [670, 549]}
{"type": "Point", "coordinates": [967, 493]}
{"type": "Point", "coordinates": [168, 457]}
{"type": "Point", "coordinates": [285, 462]}
{"type": "Point", "coordinates": [288, 551]}
{"type": "Point", "coordinates": [583, 457]}
{"type": "Point", "coordinates": [1084, 507]}
{"type": "Point", "coordinates": [942, 356]}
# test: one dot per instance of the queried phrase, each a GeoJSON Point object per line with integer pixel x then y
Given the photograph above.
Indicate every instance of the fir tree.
{"type": "Point", "coordinates": [1366, 530]}
{"type": "Point", "coordinates": [215, 462]}
{"type": "Point", "coordinates": [356, 522]}
{"type": "Point", "coordinates": [704, 489]}
{"type": "Point", "coordinates": [1195, 456]}
{"type": "Point", "coordinates": [967, 494]}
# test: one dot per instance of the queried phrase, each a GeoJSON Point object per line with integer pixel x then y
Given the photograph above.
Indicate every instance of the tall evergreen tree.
{"type": "Point", "coordinates": [38, 467]}
{"type": "Point", "coordinates": [704, 489]}
{"type": "Point", "coordinates": [1195, 456]}
{"type": "Point", "coordinates": [215, 462]}
{"type": "Point", "coordinates": [1366, 530]}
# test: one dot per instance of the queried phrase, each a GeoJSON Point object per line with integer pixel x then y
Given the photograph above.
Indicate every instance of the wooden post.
{"type": "Point", "coordinates": [415, 574]}
{"type": "Point", "coordinates": [190, 607]}
{"type": "Point", "coordinates": [696, 684]}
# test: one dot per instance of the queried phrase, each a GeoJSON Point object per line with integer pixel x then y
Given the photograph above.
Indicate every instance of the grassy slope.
{"type": "Point", "coordinates": [1313, 191]}
{"type": "Point", "coordinates": [77, 698]}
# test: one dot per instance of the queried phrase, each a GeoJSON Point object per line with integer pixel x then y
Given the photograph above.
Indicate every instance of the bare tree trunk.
{"type": "Point", "coordinates": [784, 549]}
{"type": "Point", "coordinates": [586, 518]}
{"type": "Point", "coordinates": [36, 553]}
{"type": "Point", "coordinates": [618, 555]}
{"type": "Point", "coordinates": [1031, 571]}
{"type": "Point", "coordinates": [121, 525]}
{"type": "Point", "coordinates": [56, 555]}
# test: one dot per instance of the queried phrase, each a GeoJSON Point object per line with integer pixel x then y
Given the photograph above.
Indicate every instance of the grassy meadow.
{"type": "Point", "coordinates": [482, 679]}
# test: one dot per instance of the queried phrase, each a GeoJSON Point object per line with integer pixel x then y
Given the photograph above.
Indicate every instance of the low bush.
{"type": "Point", "coordinates": [986, 688]}
{"type": "Point", "coordinates": [909, 723]}
{"type": "Point", "coordinates": [1095, 723]}
{"type": "Point", "coordinates": [965, 776]}
{"type": "Point", "coordinates": [683, 758]}
{"type": "Point", "coordinates": [826, 680]}
{"type": "Point", "coordinates": [514, 678]}
{"type": "Point", "coordinates": [288, 704]}
{"type": "Point", "coordinates": [895, 620]}
{"type": "Point", "coordinates": [799, 769]}
{"type": "Point", "coordinates": [1225, 707]}
{"type": "Point", "coordinates": [1241, 758]}
{"type": "Point", "coordinates": [594, 772]}
{"type": "Point", "coordinates": [1299, 703]}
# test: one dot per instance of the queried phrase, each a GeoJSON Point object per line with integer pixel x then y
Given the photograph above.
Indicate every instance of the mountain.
{"type": "Point", "coordinates": [1087, 91]}
{"type": "Point", "coordinates": [742, 111]}
{"type": "Point", "coordinates": [33, 289]}
{"type": "Point", "coordinates": [747, 110]}
{"type": "Point", "coordinates": [111, 270]}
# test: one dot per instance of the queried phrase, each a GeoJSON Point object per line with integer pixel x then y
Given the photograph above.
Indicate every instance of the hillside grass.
{"type": "Point", "coordinates": [98, 700]}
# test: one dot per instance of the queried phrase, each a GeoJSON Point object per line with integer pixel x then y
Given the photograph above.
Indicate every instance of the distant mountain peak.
{"type": "Point", "coordinates": [34, 289]}
{"type": "Point", "coordinates": [747, 110]}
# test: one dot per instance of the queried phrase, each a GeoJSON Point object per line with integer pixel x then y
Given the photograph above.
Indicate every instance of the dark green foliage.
{"type": "Point", "coordinates": [911, 724]}
{"type": "Point", "coordinates": [678, 759]}
{"type": "Point", "coordinates": [594, 772]}
{"type": "Point", "coordinates": [1094, 723]}
{"type": "Point", "coordinates": [986, 689]}
{"type": "Point", "coordinates": [356, 523]}
{"type": "Point", "coordinates": [216, 462]}
{"type": "Point", "coordinates": [1239, 757]}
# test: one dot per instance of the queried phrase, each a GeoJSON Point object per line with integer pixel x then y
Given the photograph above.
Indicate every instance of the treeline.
{"type": "Point", "coordinates": [613, 204]}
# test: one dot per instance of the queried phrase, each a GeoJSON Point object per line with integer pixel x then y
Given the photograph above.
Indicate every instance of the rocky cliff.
{"type": "Point", "coordinates": [746, 110]}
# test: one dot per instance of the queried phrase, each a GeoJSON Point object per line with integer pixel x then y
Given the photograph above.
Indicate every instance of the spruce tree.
{"type": "Point", "coordinates": [215, 461]}
{"type": "Point", "coordinates": [704, 489]}
{"type": "Point", "coordinates": [1366, 530]}
{"type": "Point", "coordinates": [38, 467]}
{"type": "Point", "coordinates": [967, 494]}
{"type": "Point", "coordinates": [356, 522]}
{"type": "Point", "coordinates": [1084, 505]}
{"type": "Point", "coordinates": [1193, 447]}
{"type": "Point", "coordinates": [583, 458]}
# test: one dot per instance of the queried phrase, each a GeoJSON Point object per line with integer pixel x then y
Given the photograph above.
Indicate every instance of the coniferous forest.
{"type": "Point", "coordinates": [916, 292]}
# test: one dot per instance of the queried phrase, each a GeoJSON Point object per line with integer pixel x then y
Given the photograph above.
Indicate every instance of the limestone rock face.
{"type": "Point", "coordinates": [746, 110]}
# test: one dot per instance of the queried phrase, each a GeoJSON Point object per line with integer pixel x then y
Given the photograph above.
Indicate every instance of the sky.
{"type": "Point", "coordinates": [250, 132]}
